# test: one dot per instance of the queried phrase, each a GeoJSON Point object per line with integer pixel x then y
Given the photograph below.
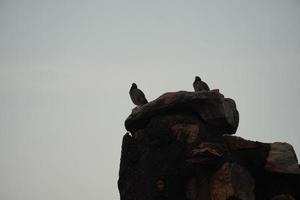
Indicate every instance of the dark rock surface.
{"type": "Point", "coordinates": [181, 147]}
{"type": "Point", "coordinates": [211, 107]}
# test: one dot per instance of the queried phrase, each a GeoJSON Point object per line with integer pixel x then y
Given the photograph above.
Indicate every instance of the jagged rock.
{"type": "Point", "coordinates": [206, 153]}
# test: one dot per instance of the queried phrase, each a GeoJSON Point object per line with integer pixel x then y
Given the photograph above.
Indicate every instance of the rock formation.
{"type": "Point", "coordinates": [181, 147]}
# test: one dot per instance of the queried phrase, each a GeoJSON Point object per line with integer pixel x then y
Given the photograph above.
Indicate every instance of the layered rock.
{"type": "Point", "coordinates": [181, 147]}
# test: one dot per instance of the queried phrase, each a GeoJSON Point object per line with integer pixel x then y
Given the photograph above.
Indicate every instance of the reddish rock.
{"type": "Point", "coordinates": [232, 180]}
{"type": "Point", "coordinates": [206, 153]}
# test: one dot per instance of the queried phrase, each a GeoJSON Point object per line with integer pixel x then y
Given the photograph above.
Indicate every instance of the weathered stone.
{"type": "Point", "coordinates": [232, 180]}
{"type": "Point", "coordinates": [238, 143]}
{"type": "Point", "coordinates": [249, 154]}
{"type": "Point", "coordinates": [188, 133]}
{"type": "Point", "coordinates": [282, 159]}
{"type": "Point", "coordinates": [206, 153]}
{"type": "Point", "coordinates": [181, 147]}
{"type": "Point", "coordinates": [197, 186]}
{"type": "Point", "coordinates": [211, 107]}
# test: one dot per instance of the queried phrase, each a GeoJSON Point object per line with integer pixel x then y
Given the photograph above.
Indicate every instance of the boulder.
{"type": "Point", "coordinates": [282, 159]}
{"type": "Point", "coordinates": [209, 106]}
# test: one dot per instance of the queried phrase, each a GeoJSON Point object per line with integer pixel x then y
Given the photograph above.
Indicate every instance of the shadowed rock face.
{"type": "Point", "coordinates": [211, 107]}
{"type": "Point", "coordinates": [181, 147]}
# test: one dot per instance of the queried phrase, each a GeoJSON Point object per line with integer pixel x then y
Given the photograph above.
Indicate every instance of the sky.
{"type": "Point", "coordinates": [66, 68]}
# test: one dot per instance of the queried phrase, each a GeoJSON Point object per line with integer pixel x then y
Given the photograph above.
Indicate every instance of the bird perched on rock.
{"type": "Point", "coordinates": [200, 85]}
{"type": "Point", "coordinates": [137, 96]}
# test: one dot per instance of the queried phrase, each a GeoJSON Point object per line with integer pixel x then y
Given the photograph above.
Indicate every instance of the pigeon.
{"type": "Point", "coordinates": [200, 85]}
{"type": "Point", "coordinates": [137, 96]}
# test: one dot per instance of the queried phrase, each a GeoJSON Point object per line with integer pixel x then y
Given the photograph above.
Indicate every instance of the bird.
{"type": "Point", "coordinates": [137, 96]}
{"type": "Point", "coordinates": [200, 85]}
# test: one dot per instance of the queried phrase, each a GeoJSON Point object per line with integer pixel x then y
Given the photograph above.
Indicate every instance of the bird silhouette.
{"type": "Point", "coordinates": [137, 96]}
{"type": "Point", "coordinates": [200, 85]}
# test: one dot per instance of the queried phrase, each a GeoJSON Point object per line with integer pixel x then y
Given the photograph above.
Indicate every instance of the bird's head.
{"type": "Point", "coordinates": [197, 78]}
{"type": "Point", "coordinates": [133, 86]}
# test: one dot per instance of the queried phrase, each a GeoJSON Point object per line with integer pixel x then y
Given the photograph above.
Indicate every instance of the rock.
{"type": "Point", "coordinates": [232, 180]}
{"type": "Point", "coordinates": [211, 107]}
{"type": "Point", "coordinates": [206, 154]}
{"type": "Point", "coordinates": [128, 173]}
{"type": "Point", "coordinates": [197, 187]}
{"type": "Point", "coordinates": [237, 143]}
{"type": "Point", "coordinates": [283, 197]}
{"type": "Point", "coordinates": [187, 133]}
{"type": "Point", "coordinates": [251, 155]}
{"type": "Point", "coordinates": [282, 159]}
{"type": "Point", "coordinates": [182, 147]}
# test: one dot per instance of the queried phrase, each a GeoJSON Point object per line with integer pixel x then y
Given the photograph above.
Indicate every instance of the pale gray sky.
{"type": "Point", "coordinates": [66, 68]}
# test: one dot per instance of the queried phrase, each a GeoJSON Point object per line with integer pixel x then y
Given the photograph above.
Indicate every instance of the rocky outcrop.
{"type": "Point", "coordinates": [211, 107]}
{"type": "Point", "coordinates": [181, 146]}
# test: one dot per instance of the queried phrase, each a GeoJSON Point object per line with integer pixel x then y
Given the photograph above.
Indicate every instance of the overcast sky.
{"type": "Point", "coordinates": [66, 68]}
